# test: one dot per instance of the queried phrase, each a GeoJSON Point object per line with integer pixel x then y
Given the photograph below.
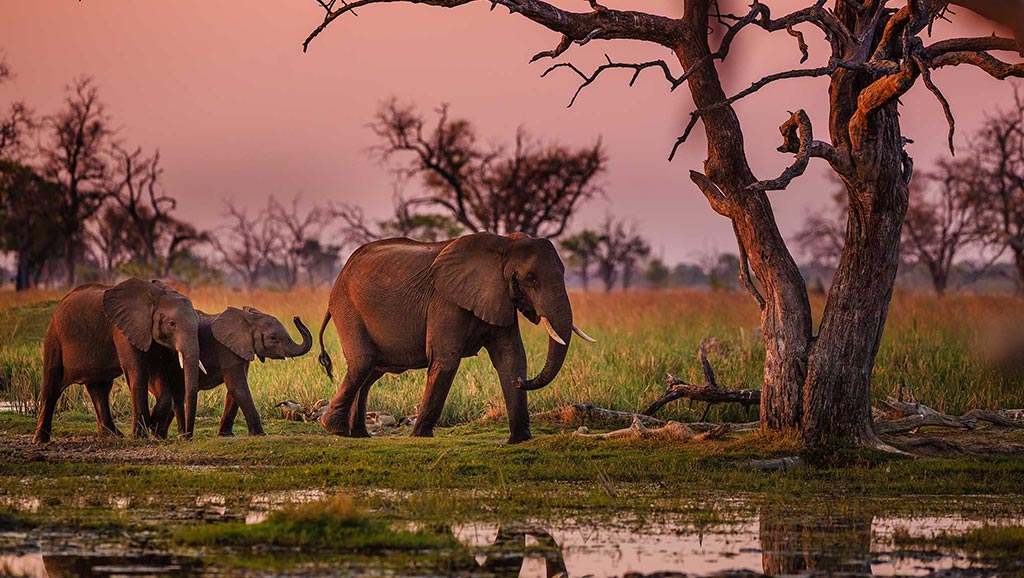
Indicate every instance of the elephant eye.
{"type": "Point", "coordinates": [171, 323]}
{"type": "Point", "coordinates": [529, 279]}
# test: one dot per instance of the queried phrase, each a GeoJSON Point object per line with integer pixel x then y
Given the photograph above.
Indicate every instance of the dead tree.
{"type": "Point", "coordinates": [945, 218]}
{"type": "Point", "coordinates": [299, 229]}
{"type": "Point", "coordinates": [247, 244]}
{"type": "Point", "coordinates": [709, 393]}
{"type": "Point", "coordinates": [533, 188]}
{"type": "Point", "coordinates": [818, 383]}
{"type": "Point", "coordinates": [153, 236]}
{"type": "Point", "coordinates": [74, 158]}
{"type": "Point", "coordinates": [998, 154]}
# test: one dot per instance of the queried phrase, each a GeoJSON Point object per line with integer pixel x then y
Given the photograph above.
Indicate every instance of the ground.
{"type": "Point", "coordinates": [467, 503]}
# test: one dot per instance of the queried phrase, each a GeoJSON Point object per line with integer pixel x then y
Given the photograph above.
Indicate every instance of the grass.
{"type": "Point", "coordinates": [332, 525]}
{"type": "Point", "coordinates": [928, 344]}
{"type": "Point", "coordinates": [169, 489]}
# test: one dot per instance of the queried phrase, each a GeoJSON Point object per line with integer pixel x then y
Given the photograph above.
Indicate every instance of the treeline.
{"type": "Point", "coordinates": [76, 203]}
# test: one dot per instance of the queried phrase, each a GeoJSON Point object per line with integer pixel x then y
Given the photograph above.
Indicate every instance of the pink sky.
{"type": "Point", "coordinates": [238, 111]}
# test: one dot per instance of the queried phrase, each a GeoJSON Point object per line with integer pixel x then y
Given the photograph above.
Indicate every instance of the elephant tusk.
{"type": "Point", "coordinates": [202, 368]}
{"type": "Point", "coordinates": [551, 331]}
{"type": "Point", "coordinates": [583, 335]}
{"type": "Point", "coordinates": [181, 360]}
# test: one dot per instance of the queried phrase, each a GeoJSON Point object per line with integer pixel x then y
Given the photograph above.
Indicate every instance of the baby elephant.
{"type": "Point", "coordinates": [227, 343]}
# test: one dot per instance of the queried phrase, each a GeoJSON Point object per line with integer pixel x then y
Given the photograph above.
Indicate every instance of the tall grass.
{"type": "Point", "coordinates": [928, 344]}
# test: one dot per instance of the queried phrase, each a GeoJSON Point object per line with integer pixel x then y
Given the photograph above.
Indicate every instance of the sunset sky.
{"type": "Point", "coordinates": [239, 112]}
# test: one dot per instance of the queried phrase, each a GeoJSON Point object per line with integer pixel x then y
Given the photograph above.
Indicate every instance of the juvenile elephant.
{"type": "Point", "coordinates": [228, 341]}
{"type": "Point", "coordinates": [400, 304]}
{"type": "Point", "coordinates": [98, 332]}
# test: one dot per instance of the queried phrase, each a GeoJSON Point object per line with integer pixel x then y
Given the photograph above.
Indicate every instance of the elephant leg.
{"type": "Point", "coordinates": [227, 418]}
{"type": "Point", "coordinates": [100, 395]}
{"type": "Point", "coordinates": [337, 420]}
{"type": "Point", "coordinates": [52, 387]}
{"type": "Point", "coordinates": [136, 372]}
{"type": "Point", "coordinates": [509, 359]}
{"type": "Point", "coordinates": [439, 381]}
{"type": "Point", "coordinates": [162, 409]}
{"type": "Point", "coordinates": [241, 398]}
{"type": "Point", "coordinates": [357, 419]}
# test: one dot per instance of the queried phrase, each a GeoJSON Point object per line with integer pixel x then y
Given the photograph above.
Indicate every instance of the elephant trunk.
{"type": "Point", "coordinates": [558, 324]}
{"type": "Point", "coordinates": [189, 357]}
{"type": "Point", "coordinates": [294, 349]}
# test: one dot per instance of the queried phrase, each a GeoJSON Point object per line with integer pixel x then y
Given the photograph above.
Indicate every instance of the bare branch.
{"type": "Point", "coordinates": [796, 134]}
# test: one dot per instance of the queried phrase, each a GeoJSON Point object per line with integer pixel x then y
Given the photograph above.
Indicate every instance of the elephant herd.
{"type": "Point", "coordinates": [397, 304]}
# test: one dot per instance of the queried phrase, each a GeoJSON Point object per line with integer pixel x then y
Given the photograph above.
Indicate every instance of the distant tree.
{"type": "Point", "coordinates": [299, 228]}
{"type": "Point", "coordinates": [73, 157]}
{"type": "Point", "coordinates": [247, 245]}
{"type": "Point", "coordinates": [635, 251]}
{"type": "Point", "coordinates": [426, 227]}
{"type": "Point", "coordinates": [29, 227]}
{"type": "Point", "coordinates": [823, 234]}
{"type": "Point", "coordinates": [110, 240]}
{"type": "Point", "coordinates": [619, 249]}
{"type": "Point", "coordinates": [319, 261]}
{"type": "Point", "coordinates": [17, 124]}
{"type": "Point", "coordinates": [657, 273]}
{"type": "Point", "coordinates": [153, 237]}
{"type": "Point", "coordinates": [582, 252]}
{"type": "Point", "coordinates": [998, 154]}
{"type": "Point", "coordinates": [688, 275]}
{"type": "Point", "coordinates": [945, 218]}
{"type": "Point", "coordinates": [533, 189]}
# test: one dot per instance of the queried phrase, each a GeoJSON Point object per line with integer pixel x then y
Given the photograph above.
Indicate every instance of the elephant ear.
{"type": "Point", "coordinates": [233, 330]}
{"type": "Point", "coordinates": [129, 306]}
{"type": "Point", "coordinates": [469, 273]}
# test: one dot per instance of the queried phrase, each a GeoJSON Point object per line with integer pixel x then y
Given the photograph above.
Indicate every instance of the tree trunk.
{"type": "Point", "coordinates": [69, 261]}
{"type": "Point", "coordinates": [786, 313]}
{"type": "Point", "coordinates": [1018, 259]}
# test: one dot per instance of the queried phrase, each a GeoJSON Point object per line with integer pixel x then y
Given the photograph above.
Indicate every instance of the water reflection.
{"type": "Point", "coordinates": [36, 565]}
{"type": "Point", "coordinates": [777, 541]}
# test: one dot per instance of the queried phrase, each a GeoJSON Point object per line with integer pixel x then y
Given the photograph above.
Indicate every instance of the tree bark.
{"type": "Point", "coordinates": [786, 314]}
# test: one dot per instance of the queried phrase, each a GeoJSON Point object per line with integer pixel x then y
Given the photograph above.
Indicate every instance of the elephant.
{"type": "Point", "coordinates": [400, 304]}
{"type": "Point", "coordinates": [98, 332]}
{"type": "Point", "coordinates": [228, 341]}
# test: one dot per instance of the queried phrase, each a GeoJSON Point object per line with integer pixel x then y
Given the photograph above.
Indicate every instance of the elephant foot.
{"type": "Point", "coordinates": [363, 433]}
{"type": "Point", "coordinates": [423, 433]}
{"type": "Point", "coordinates": [41, 438]}
{"type": "Point", "coordinates": [227, 434]}
{"type": "Point", "coordinates": [257, 433]}
{"type": "Point", "coordinates": [516, 438]}
{"type": "Point", "coordinates": [335, 423]}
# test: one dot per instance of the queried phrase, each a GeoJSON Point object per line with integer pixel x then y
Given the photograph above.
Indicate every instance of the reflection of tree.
{"type": "Point", "coordinates": [508, 553]}
{"type": "Point", "coordinates": [838, 542]}
{"type": "Point", "coordinates": [89, 566]}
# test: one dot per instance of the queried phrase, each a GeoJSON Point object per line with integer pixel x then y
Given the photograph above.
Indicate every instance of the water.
{"type": "Point", "coordinates": [771, 542]}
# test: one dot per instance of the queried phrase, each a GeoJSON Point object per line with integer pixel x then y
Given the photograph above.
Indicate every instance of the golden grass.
{"type": "Point", "coordinates": [928, 344]}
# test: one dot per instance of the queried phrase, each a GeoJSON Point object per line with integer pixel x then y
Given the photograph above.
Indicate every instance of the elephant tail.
{"type": "Point", "coordinates": [325, 358]}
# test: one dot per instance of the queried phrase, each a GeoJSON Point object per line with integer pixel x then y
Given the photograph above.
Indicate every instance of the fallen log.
{"type": "Point", "coordinates": [913, 422]}
{"type": "Point", "coordinates": [709, 393]}
{"type": "Point", "coordinates": [587, 414]}
{"type": "Point", "coordinates": [672, 430]}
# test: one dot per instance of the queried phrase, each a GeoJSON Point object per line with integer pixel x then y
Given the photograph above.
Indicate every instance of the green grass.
{"type": "Point", "coordinates": [987, 542]}
{"type": "Point", "coordinates": [929, 344]}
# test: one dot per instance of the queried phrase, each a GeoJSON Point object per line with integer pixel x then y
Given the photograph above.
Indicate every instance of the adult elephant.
{"type": "Point", "coordinates": [228, 342]}
{"type": "Point", "coordinates": [98, 332]}
{"type": "Point", "coordinates": [400, 304]}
